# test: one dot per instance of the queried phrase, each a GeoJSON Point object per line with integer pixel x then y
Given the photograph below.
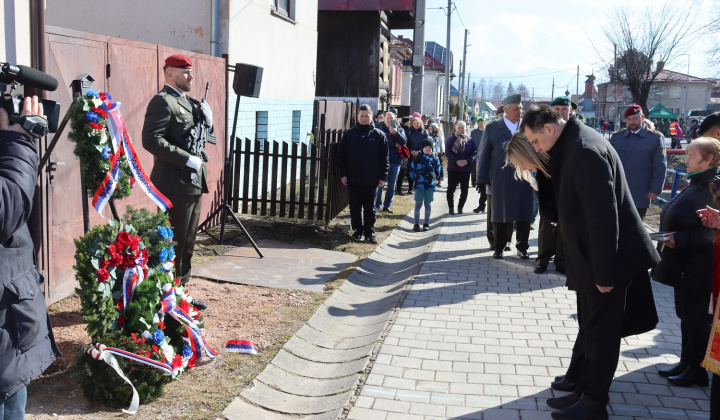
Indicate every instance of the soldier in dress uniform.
{"type": "Point", "coordinates": [642, 152]}
{"type": "Point", "coordinates": [178, 173]}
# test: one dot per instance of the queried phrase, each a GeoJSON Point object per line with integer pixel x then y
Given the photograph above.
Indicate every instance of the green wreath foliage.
{"type": "Point", "coordinates": [111, 324]}
{"type": "Point", "coordinates": [93, 146]}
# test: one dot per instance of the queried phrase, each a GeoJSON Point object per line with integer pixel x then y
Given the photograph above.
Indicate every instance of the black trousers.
{"type": "Point", "coordinates": [362, 208]}
{"type": "Point", "coordinates": [550, 244]}
{"type": "Point", "coordinates": [491, 228]}
{"type": "Point", "coordinates": [483, 198]}
{"type": "Point", "coordinates": [404, 174]}
{"type": "Point", "coordinates": [503, 235]}
{"type": "Point", "coordinates": [642, 212]}
{"type": "Point", "coordinates": [691, 306]}
{"type": "Point", "coordinates": [601, 323]}
{"type": "Point", "coordinates": [184, 219]}
{"type": "Point", "coordinates": [577, 360]}
{"type": "Point", "coordinates": [455, 178]}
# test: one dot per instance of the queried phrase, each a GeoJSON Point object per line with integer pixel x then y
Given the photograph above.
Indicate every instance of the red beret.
{"type": "Point", "coordinates": [632, 110]}
{"type": "Point", "coordinates": [178, 61]}
{"type": "Point", "coordinates": [500, 110]}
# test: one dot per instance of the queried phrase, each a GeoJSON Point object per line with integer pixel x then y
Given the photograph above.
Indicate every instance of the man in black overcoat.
{"type": "Point", "coordinates": [606, 248]}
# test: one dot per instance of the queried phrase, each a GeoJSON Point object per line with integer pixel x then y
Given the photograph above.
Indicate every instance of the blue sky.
{"type": "Point", "coordinates": [531, 42]}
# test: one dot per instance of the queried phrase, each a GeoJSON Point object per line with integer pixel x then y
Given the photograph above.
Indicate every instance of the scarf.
{"type": "Point", "coordinates": [459, 145]}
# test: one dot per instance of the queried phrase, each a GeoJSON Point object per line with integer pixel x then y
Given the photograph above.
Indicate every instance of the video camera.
{"type": "Point", "coordinates": [35, 125]}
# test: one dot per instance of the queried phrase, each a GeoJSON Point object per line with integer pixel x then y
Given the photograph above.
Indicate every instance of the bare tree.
{"type": "Point", "coordinates": [522, 90]}
{"type": "Point", "coordinates": [647, 38]}
{"type": "Point", "coordinates": [498, 91]}
{"type": "Point", "coordinates": [510, 89]}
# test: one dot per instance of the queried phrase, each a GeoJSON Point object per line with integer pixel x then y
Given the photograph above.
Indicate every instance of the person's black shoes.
{"type": "Point", "coordinates": [559, 377]}
{"type": "Point", "coordinates": [693, 375]}
{"type": "Point", "coordinates": [371, 239]}
{"type": "Point", "coordinates": [416, 228]}
{"type": "Point", "coordinates": [540, 268]}
{"type": "Point", "coordinates": [199, 304]}
{"type": "Point", "coordinates": [498, 255]}
{"type": "Point", "coordinates": [460, 211]}
{"type": "Point", "coordinates": [562, 384]}
{"type": "Point", "coordinates": [387, 210]}
{"type": "Point", "coordinates": [478, 210]}
{"type": "Point", "coordinates": [565, 401]}
{"type": "Point", "coordinates": [426, 227]}
{"type": "Point", "coordinates": [673, 371]}
{"type": "Point", "coordinates": [507, 247]}
{"type": "Point", "coordinates": [451, 211]}
{"type": "Point", "coordinates": [584, 409]}
{"type": "Point", "coordinates": [523, 255]}
{"type": "Point", "coordinates": [357, 236]}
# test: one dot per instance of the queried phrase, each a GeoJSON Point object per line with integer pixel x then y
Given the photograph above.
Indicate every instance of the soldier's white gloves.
{"type": "Point", "coordinates": [207, 112]}
{"type": "Point", "coordinates": [194, 162]}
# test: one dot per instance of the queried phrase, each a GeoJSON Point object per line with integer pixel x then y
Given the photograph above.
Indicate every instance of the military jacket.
{"type": "Point", "coordinates": [643, 159]}
{"type": "Point", "coordinates": [168, 119]}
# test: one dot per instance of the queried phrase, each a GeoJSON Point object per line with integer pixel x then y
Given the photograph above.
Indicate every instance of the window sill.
{"type": "Point", "coordinates": [282, 16]}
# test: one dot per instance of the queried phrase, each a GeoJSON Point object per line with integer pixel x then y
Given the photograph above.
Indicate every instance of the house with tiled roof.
{"type": "Point", "coordinates": [433, 81]}
{"type": "Point", "coordinates": [678, 92]}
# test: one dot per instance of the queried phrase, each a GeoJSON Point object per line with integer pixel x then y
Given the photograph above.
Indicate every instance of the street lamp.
{"type": "Point", "coordinates": [687, 86]}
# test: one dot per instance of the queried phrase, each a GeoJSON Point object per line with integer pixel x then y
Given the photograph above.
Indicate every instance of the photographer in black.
{"type": "Point", "coordinates": [27, 346]}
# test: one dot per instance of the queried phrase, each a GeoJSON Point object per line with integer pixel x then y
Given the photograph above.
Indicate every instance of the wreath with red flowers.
{"type": "Point", "coordinates": [93, 144]}
{"type": "Point", "coordinates": [127, 316]}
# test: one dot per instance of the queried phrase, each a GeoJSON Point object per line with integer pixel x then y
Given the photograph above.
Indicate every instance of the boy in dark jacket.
{"type": "Point", "coordinates": [424, 170]}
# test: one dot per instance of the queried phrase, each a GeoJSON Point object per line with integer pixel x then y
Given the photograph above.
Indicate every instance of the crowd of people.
{"type": "Point", "coordinates": [592, 194]}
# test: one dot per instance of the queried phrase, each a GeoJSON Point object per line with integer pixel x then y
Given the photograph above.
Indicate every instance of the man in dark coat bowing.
{"type": "Point", "coordinates": [512, 199]}
{"type": "Point", "coordinates": [606, 248]}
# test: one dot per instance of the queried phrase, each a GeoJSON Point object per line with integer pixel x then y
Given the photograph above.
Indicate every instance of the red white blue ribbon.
{"type": "Point", "coordinates": [197, 339]}
{"type": "Point", "coordinates": [240, 346]}
{"type": "Point", "coordinates": [107, 355]}
{"type": "Point", "coordinates": [131, 280]}
{"type": "Point", "coordinates": [121, 141]}
{"type": "Point", "coordinates": [105, 191]}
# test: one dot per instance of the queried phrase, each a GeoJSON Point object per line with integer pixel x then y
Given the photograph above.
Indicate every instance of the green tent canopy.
{"type": "Point", "coordinates": [659, 112]}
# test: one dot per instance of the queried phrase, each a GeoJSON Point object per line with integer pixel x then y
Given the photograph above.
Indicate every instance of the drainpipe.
{"type": "Point", "coordinates": [37, 42]}
{"type": "Point", "coordinates": [215, 28]}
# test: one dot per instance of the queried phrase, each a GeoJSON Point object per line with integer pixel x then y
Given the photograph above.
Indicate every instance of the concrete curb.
{"type": "Point", "coordinates": [321, 369]}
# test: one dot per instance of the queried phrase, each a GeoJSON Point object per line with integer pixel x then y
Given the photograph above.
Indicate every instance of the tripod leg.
{"type": "Point", "coordinates": [247, 235]}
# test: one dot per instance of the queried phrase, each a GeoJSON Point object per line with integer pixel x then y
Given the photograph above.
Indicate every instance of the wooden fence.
{"type": "Point", "coordinates": [295, 180]}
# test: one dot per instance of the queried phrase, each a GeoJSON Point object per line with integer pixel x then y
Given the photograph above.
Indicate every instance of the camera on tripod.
{"type": "Point", "coordinates": [35, 125]}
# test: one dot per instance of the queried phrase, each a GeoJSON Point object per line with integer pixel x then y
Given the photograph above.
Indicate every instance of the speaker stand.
{"type": "Point", "coordinates": [224, 209]}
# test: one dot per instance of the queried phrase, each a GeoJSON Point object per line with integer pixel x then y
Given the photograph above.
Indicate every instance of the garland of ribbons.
{"type": "Point", "coordinates": [122, 145]}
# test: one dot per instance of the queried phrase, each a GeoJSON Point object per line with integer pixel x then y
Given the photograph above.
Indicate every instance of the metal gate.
{"type": "Point", "coordinates": [131, 72]}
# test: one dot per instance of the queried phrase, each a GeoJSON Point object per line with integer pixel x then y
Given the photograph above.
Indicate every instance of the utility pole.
{"type": "Point", "coordinates": [448, 128]}
{"type": "Point", "coordinates": [552, 95]}
{"type": "Point", "coordinates": [418, 59]}
{"type": "Point", "coordinates": [577, 86]}
{"type": "Point", "coordinates": [467, 92]}
{"type": "Point", "coordinates": [615, 117]}
{"type": "Point", "coordinates": [461, 99]}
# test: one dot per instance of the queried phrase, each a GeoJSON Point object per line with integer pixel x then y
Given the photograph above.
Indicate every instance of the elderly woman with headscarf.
{"type": "Point", "coordinates": [461, 152]}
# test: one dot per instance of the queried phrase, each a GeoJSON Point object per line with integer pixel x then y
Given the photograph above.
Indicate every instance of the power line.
{"type": "Point", "coordinates": [520, 77]}
{"type": "Point", "coordinates": [458, 15]}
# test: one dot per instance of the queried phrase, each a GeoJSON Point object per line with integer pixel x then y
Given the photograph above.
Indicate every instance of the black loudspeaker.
{"type": "Point", "coordinates": [247, 80]}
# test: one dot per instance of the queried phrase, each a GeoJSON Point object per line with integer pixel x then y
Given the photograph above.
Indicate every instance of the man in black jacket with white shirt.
{"type": "Point", "coordinates": [606, 247]}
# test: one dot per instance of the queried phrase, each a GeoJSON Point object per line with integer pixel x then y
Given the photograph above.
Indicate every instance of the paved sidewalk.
{"type": "Point", "coordinates": [478, 338]}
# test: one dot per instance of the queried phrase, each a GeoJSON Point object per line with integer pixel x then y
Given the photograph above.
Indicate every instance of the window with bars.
{"type": "Point", "coordinates": [261, 128]}
{"type": "Point", "coordinates": [296, 126]}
